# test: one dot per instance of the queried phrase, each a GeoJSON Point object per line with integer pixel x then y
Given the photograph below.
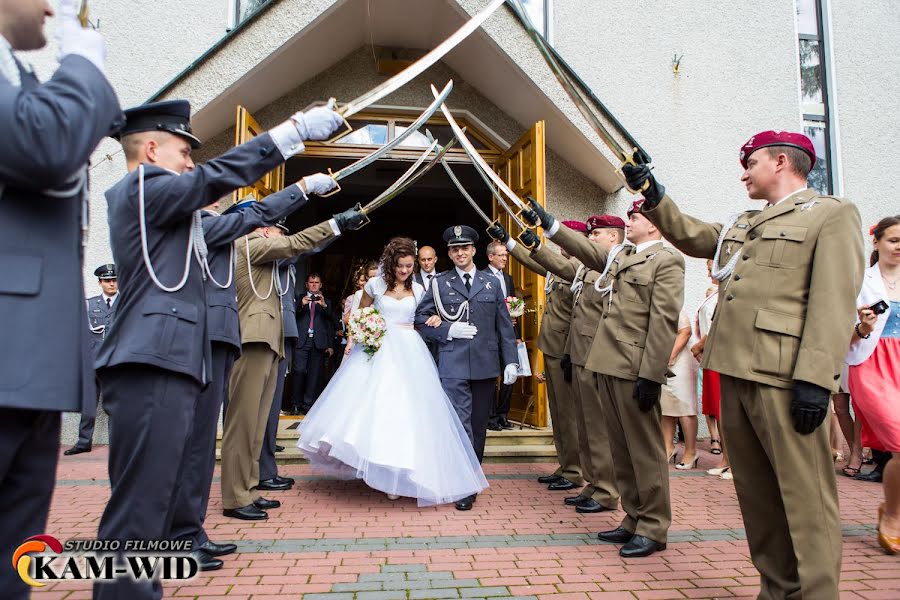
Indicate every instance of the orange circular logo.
{"type": "Point", "coordinates": [21, 561]}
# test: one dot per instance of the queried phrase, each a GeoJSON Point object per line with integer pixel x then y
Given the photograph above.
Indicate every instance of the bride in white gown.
{"type": "Point", "coordinates": [386, 419]}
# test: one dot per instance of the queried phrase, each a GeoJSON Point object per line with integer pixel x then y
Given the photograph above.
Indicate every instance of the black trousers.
{"type": "Point", "coordinates": [200, 456]}
{"type": "Point", "coordinates": [268, 468]}
{"type": "Point", "coordinates": [29, 451]}
{"type": "Point", "coordinates": [151, 416]}
{"type": "Point", "coordinates": [307, 368]}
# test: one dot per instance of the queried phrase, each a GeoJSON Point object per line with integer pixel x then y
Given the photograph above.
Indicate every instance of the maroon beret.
{"type": "Point", "coordinates": [777, 138]}
{"type": "Point", "coordinates": [604, 222]}
{"type": "Point", "coordinates": [576, 226]}
{"type": "Point", "coordinates": [635, 207]}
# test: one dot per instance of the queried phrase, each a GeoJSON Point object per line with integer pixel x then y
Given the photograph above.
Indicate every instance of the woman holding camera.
{"type": "Point", "coordinates": [874, 359]}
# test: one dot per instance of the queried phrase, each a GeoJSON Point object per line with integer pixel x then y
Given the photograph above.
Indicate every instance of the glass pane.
{"type": "Point", "coordinates": [366, 134]}
{"type": "Point", "coordinates": [810, 72]}
{"type": "Point", "coordinates": [535, 10]}
{"type": "Point", "coordinates": [248, 7]}
{"type": "Point", "coordinates": [442, 133]}
{"type": "Point", "coordinates": [819, 178]}
{"type": "Point", "coordinates": [807, 17]}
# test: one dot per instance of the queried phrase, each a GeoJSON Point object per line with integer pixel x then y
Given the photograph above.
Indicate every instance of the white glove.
{"type": "Point", "coordinates": [318, 123]}
{"type": "Point", "coordinates": [510, 374]}
{"type": "Point", "coordinates": [319, 184]}
{"type": "Point", "coordinates": [72, 39]}
{"type": "Point", "coordinates": [462, 331]}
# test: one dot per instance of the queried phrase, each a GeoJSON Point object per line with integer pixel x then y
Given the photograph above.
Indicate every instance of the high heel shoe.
{"type": "Point", "coordinates": [714, 450]}
{"type": "Point", "coordinates": [682, 466]}
{"type": "Point", "coordinates": [673, 458]}
{"type": "Point", "coordinates": [890, 544]}
{"type": "Point", "coordinates": [718, 471]}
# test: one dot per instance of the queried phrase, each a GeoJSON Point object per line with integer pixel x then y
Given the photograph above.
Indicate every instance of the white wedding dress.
{"type": "Point", "coordinates": [386, 419]}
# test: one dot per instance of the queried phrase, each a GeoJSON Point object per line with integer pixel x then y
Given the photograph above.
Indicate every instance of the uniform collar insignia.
{"type": "Point", "coordinates": [809, 205]}
{"type": "Point", "coordinates": [742, 225]}
{"type": "Point", "coordinates": [488, 285]}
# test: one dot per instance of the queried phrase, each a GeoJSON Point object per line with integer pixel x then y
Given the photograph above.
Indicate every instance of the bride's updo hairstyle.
{"type": "Point", "coordinates": [396, 249]}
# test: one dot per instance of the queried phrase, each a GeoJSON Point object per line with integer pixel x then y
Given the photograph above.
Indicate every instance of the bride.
{"type": "Point", "coordinates": [386, 419]}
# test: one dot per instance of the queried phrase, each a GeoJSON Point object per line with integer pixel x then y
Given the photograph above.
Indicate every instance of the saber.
{"type": "Point", "coordinates": [578, 98]}
{"type": "Point", "coordinates": [413, 127]}
{"type": "Point", "coordinates": [83, 14]}
{"type": "Point", "coordinates": [501, 201]}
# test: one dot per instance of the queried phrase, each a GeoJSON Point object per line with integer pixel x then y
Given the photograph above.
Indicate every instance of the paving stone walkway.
{"type": "Point", "coordinates": [337, 540]}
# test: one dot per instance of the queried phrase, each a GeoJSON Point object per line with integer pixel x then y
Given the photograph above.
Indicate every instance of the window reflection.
{"type": "Point", "coordinates": [807, 17]}
{"type": "Point", "coordinates": [372, 134]}
{"type": "Point", "coordinates": [442, 133]}
{"type": "Point", "coordinates": [810, 72]}
{"type": "Point", "coordinates": [818, 177]}
{"type": "Point", "coordinates": [535, 10]}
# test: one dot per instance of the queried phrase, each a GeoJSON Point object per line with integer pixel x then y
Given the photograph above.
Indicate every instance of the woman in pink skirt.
{"type": "Point", "coordinates": [874, 360]}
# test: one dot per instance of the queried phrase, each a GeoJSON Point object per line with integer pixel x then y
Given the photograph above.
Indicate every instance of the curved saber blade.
{"type": "Point", "coordinates": [418, 67]}
{"type": "Point", "coordinates": [465, 194]}
{"type": "Point", "coordinates": [414, 126]}
{"type": "Point", "coordinates": [500, 200]}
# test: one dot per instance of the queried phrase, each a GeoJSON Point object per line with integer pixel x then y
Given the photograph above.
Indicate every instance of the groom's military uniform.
{"type": "Point", "coordinates": [469, 367]}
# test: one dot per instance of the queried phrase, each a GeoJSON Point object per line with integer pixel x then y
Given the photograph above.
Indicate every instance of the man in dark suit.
{"type": "Point", "coordinates": [315, 323]}
{"type": "Point", "coordinates": [49, 130]}
{"type": "Point", "coordinates": [157, 357]}
{"type": "Point", "coordinates": [498, 256]}
{"type": "Point", "coordinates": [426, 273]}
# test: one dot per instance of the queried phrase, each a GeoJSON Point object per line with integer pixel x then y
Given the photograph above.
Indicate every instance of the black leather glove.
{"type": "Point", "coordinates": [637, 175]}
{"type": "Point", "coordinates": [530, 239]}
{"type": "Point", "coordinates": [647, 393]}
{"type": "Point", "coordinates": [351, 219]}
{"type": "Point", "coordinates": [566, 363]}
{"type": "Point", "coordinates": [536, 213]}
{"type": "Point", "coordinates": [809, 406]}
{"type": "Point", "coordinates": [497, 232]}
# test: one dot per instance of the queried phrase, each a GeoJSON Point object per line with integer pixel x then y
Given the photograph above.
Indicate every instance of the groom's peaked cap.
{"type": "Point", "coordinates": [460, 235]}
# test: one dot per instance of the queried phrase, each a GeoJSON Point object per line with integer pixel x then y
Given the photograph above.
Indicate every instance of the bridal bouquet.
{"type": "Point", "coordinates": [367, 327]}
{"type": "Point", "coordinates": [516, 306]}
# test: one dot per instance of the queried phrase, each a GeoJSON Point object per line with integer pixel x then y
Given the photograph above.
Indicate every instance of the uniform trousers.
{"type": "Point", "coordinates": [639, 459]}
{"type": "Point", "coordinates": [500, 411]}
{"type": "Point", "coordinates": [565, 424]}
{"type": "Point", "coordinates": [593, 440]}
{"type": "Point", "coordinates": [151, 414]}
{"type": "Point", "coordinates": [472, 399]}
{"type": "Point", "coordinates": [196, 478]}
{"type": "Point", "coordinates": [252, 387]}
{"type": "Point", "coordinates": [786, 490]}
{"type": "Point", "coordinates": [29, 451]}
{"type": "Point", "coordinates": [86, 426]}
{"type": "Point", "coordinates": [268, 468]}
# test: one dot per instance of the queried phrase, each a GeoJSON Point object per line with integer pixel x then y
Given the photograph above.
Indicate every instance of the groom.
{"type": "Point", "coordinates": [475, 332]}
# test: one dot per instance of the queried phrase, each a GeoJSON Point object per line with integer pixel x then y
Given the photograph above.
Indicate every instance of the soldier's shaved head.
{"type": "Point", "coordinates": [159, 148]}
{"type": "Point", "coordinates": [427, 259]}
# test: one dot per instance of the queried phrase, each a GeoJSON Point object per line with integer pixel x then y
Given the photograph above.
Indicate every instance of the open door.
{"type": "Point", "coordinates": [246, 128]}
{"type": "Point", "coordinates": [522, 167]}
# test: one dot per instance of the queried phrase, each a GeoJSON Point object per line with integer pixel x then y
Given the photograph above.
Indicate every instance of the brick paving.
{"type": "Point", "coordinates": [336, 540]}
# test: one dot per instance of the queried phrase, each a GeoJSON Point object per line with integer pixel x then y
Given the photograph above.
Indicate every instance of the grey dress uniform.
{"type": "Point", "coordinates": [49, 133]}
{"type": "Point", "coordinates": [469, 368]}
{"type": "Point", "coordinates": [100, 320]}
{"type": "Point", "coordinates": [157, 357]}
{"type": "Point", "coordinates": [224, 332]}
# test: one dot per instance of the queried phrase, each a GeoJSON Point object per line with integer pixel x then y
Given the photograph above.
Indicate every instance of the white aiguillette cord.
{"type": "Point", "coordinates": [439, 304]}
{"type": "Point", "coordinates": [208, 270]}
{"type": "Point", "coordinates": [723, 273]}
{"type": "Point", "coordinates": [250, 274]}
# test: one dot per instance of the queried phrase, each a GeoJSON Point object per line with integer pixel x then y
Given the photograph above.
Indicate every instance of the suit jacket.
{"type": "Point", "coordinates": [261, 317]}
{"type": "Point", "coordinates": [787, 312]}
{"type": "Point", "coordinates": [49, 131]}
{"type": "Point", "coordinates": [478, 358]}
{"type": "Point", "coordinates": [510, 291]}
{"type": "Point", "coordinates": [220, 231]}
{"type": "Point", "coordinates": [559, 300]}
{"type": "Point", "coordinates": [639, 318]}
{"type": "Point", "coordinates": [417, 277]}
{"type": "Point", "coordinates": [323, 326]}
{"type": "Point", "coordinates": [168, 329]}
{"type": "Point", "coordinates": [100, 319]}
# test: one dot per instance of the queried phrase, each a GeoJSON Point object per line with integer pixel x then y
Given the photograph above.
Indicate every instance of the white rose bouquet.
{"type": "Point", "coordinates": [367, 327]}
{"type": "Point", "coordinates": [516, 306]}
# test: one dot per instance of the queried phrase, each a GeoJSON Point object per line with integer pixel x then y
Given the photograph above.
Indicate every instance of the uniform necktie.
{"type": "Point", "coordinates": [428, 280]}
{"type": "Point", "coordinates": [108, 303]}
{"type": "Point", "coordinates": [468, 279]}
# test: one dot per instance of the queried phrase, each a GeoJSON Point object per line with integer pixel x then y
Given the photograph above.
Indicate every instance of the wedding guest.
{"type": "Point", "coordinates": [315, 322]}
{"type": "Point", "coordinates": [364, 273]}
{"type": "Point", "coordinates": [874, 359]}
{"type": "Point", "coordinates": [849, 427]}
{"type": "Point", "coordinates": [679, 395]}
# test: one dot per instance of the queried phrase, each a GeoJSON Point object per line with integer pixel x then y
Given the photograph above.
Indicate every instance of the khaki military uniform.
{"type": "Point", "coordinates": [634, 338]}
{"type": "Point", "coordinates": [254, 376]}
{"type": "Point", "coordinates": [786, 313]}
{"type": "Point", "coordinates": [551, 342]}
{"type": "Point", "coordinates": [596, 458]}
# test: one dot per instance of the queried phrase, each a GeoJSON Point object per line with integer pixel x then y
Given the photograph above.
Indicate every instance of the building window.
{"type": "Point", "coordinates": [248, 7]}
{"type": "Point", "coordinates": [814, 90]}
{"type": "Point", "coordinates": [539, 13]}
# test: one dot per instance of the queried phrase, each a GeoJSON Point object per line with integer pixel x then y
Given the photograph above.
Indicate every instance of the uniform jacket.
{"type": "Point", "coordinates": [801, 262]}
{"type": "Point", "coordinates": [49, 131]}
{"type": "Point", "coordinates": [478, 358]}
{"type": "Point", "coordinates": [559, 301]}
{"type": "Point", "coordinates": [220, 231]}
{"type": "Point", "coordinates": [261, 317]}
{"type": "Point", "coordinates": [99, 319]}
{"type": "Point", "coordinates": [873, 290]}
{"type": "Point", "coordinates": [325, 321]}
{"type": "Point", "coordinates": [639, 318]}
{"type": "Point", "coordinates": [168, 329]}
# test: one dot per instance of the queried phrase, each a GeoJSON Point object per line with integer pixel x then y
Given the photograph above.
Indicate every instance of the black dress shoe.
{"type": "Point", "coordinates": [545, 479]}
{"type": "Point", "coordinates": [266, 504]}
{"type": "Point", "coordinates": [205, 561]}
{"type": "Point", "coordinates": [619, 535]}
{"type": "Point", "coordinates": [495, 427]}
{"type": "Point", "coordinates": [562, 485]}
{"type": "Point", "coordinates": [640, 546]}
{"type": "Point", "coordinates": [506, 424]}
{"type": "Point", "coordinates": [272, 485]}
{"type": "Point", "coordinates": [590, 506]}
{"type": "Point", "coordinates": [576, 500]}
{"type": "Point", "coordinates": [287, 480]}
{"type": "Point", "coordinates": [466, 503]}
{"type": "Point", "coordinates": [246, 513]}
{"type": "Point", "coordinates": [77, 450]}
{"type": "Point", "coordinates": [214, 549]}
{"type": "Point", "coordinates": [872, 476]}
{"type": "Point", "coordinates": [279, 448]}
